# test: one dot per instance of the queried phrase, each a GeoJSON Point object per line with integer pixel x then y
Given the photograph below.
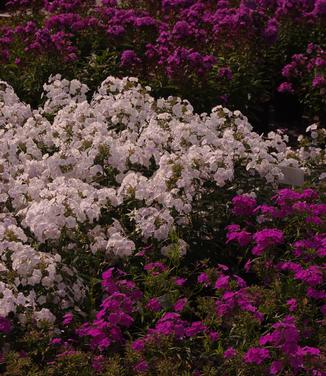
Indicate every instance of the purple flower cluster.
{"type": "Point", "coordinates": [115, 313]}
{"type": "Point", "coordinates": [5, 325]}
{"type": "Point", "coordinates": [240, 300]}
{"type": "Point", "coordinates": [172, 35]}
{"type": "Point", "coordinates": [267, 238]}
{"type": "Point", "coordinates": [285, 339]}
{"type": "Point", "coordinates": [304, 259]}
{"type": "Point", "coordinates": [256, 355]}
{"type": "Point", "coordinates": [306, 72]}
{"type": "Point", "coordinates": [243, 205]}
{"type": "Point", "coordinates": [149, 309]}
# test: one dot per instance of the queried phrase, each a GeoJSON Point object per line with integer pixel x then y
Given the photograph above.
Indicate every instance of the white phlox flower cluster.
{"type": "Point", "coordinates": [109, 175]}
{"type": "Point", "coordinates": [31, 280]}
{"type": "Point", "coordinates": [12, 112]}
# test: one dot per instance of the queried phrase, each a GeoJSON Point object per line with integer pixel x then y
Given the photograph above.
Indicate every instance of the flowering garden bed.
{"type": "Point", "coordinates": [125, 248]}
{"type": "Point", "coordinates": [139, 236]}
{"type": "Point", "coordinates": [250, 55]}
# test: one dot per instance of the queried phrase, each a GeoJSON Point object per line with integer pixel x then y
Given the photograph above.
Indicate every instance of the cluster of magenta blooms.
{"type": "Point", "coordinates": [310, 64]}
{"type": "Point", "coordinates": [278, 244]}
{"type": "Point", "coordinates": [176, 37]}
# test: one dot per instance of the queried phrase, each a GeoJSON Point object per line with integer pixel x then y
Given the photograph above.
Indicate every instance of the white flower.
{"type": "Point", "coordinates": [120, 245]}
{"type": "Point", "coordinates": [44, 315]}
{"type": "Point", "coordinates": [181, 247]}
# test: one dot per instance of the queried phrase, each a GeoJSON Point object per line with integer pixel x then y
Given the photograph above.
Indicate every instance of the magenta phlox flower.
{"type": "Point", "coordinates": [243, 205]}
{"type": "Point", "coordinates": [141, 367]}
{"type": "Point", "coordinates": [170, 324]}
{"type": "Point", "coordinates": [138, 345]}
{"type": "Point", "coordinates": [318, 81]}
{"type": "Point", "coordinates": [129, 58]}
{"type": "Point", "coordinates": [68, 318]}
{"type": "Point", "coordinates": [180, 304]}
{"type": "Point", "coordinates": [292, 304]}
{"type": "Point", "coordinates": [306, 350]}
{"type": "Point", "coordinates": [195, 328]}
{"type": "Point", "coordinates": [314, 220]}
{"type": "Point", "coordinates": [120, 318]}
{"type": "Point", "coordinates": [301, 206]}
{"type": "Point", "coordinates": [318, 209]}
{"type": "Point", "coordinates": [180, 281]}
{"type": "Point", "coordinates": [154, 305]}
{"type": "Point", "coordinates": [247, 266]}
{"type": "Point", "coordinates": [285, 87]}
{"type": "Point", "coordinates": [203, 279]}
{"type": "Point", "coordinates": [237, 300]}
{"type": "Point", "coordinates": [115, 311]}
{"type": "Point", "coordinates": [155, 268]}
{"type": "Point", "coordinates": [289, 266]}
{"type": "Point", "coordinates": [98, 362]}
{"type": "Point", "coordinates": [233, 228]}
{"type": "Point", "coordinates": [320, 8]}
{"type": "Point", "coordinates": [286, 196]}
{"type": "Point", "coordinates": [243, 238]}
{"type": "Point", "coordinates": [276, 367]}
{"type": "Point", "coordinates": [316, 294]}
{"type": "Point", "coordinates": [309, 249]}
{"type": "Point", "coordinates": [312, 275]}
{"type": "Point", "coordinates": [285, 336]}
{"type": "Point", "coordinates": [117, 301]}
{"type": "Point", "coordinates": [214, 336]}
{"type": "Point", "coordinates": [222, 282]}
{"type": "Point", "coordinates": [256, 355]}
{"type": "Point", "coordinates": [225, 72]}
{"type": "Point", "coordinates": [5, 325]}
{"type": "Point", "coordinates": [271, 30]}
{"type": "Point", "coordinates": [56, 341]}
{"type": "Point", "coordinates": [267, 238]}
{"type": "Point", "coordinates": [229, 353]}
{"type": "Point", "coordinates": [267, 210]}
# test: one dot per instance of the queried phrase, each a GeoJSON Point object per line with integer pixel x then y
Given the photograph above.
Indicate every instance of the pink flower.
{"type": "Point", "coordinates": [285, 87]}
{"type": "Point", "coordinates": [222, 282]}
{"type": "Point", "coordinates": [155, 268]}
{"type": "Point", "coordinates": [129, 57]}
{"type": "Point", "coordinates": [195, 328]}
{"type": "Point", "coordinates": [306, 350]}
{"type": "Point", "coordinates": [243, 205]}
{"type": "Point", "coordinates": [203, 278]}
{"type": "Point", "coordinates": [138, 345]}
{"type": "Point", "coordinates": [247, 266]}
{"type": "Point", "coordinates": [68, 318]}
{"type": "Point", "coordinates": [225, 72]}
{"type": "Point", "coordinates": [229, 353]}
{"type": "Point", "coordinates": [256, 355]}
{"type": "Point", "coordinates": [141, 367]}
{"type": "Point", "coordinates": [315, 294]}
{"type": "Point", "coordinates": [180, 281]}
{"type": "Point", "coordinates": [180, 304]}
{"type": "Point", "coordinates": [98, 363]}
{"type": "Point", "coordinates": [243, 238]}
{"type": "Point", "coordinates": [214, 336]}
{"type": "Point", "coordinates": [5, 325]}
{"type": "Point", "coordinates": [292, 304]}
{"type": "Point", "coordinates": [56, 341]}
{"type": "Point", "coordinates": [267, 238]}
{"type": "Point", "coordinates": [312, 276]}
{"type": "Point", "coordinates": [154, 305]}
{"type": "Point", "coordinates": [318, 81]}
{"type": "Point", "coordinates": [276, 367]}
